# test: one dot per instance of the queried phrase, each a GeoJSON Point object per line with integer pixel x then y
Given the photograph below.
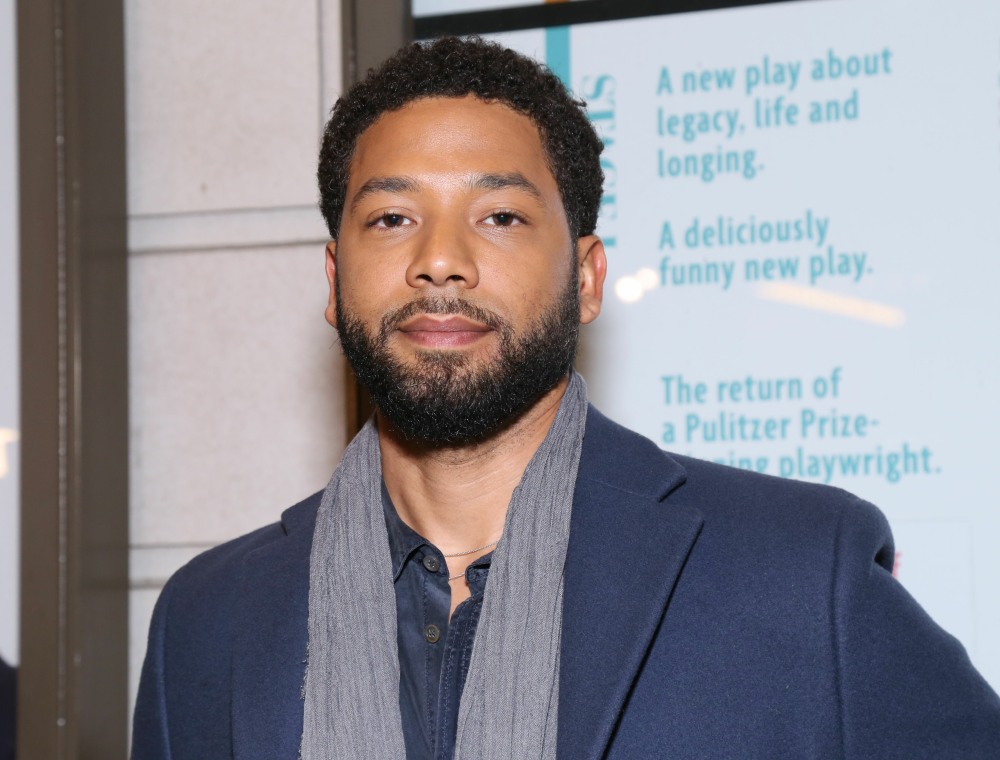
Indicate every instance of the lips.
{"type": "Point", "coordinates": [450, 331]}
{"type": "Point", "coordinates": [450, 323]}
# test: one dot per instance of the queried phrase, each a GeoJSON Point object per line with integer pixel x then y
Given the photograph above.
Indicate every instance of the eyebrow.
{"type": "Point", "coordinates": [384, 185]}
{"type": "Point", "coordinates": [404, 184]}
{"type": "Point", "coordinates": [514, 180]}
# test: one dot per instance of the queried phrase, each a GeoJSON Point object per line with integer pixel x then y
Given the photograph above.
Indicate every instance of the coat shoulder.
{"type": "Point", "coordinates": [745, 501]}
{"type": "Point", "coordinates": [214, 607]}
{"type": "Point", "coordinates": [723, 490]}
{"type": "Point", "coordinates": [219, 568]}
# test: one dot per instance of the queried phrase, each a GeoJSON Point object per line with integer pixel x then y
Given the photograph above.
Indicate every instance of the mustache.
{"type": "Point", "coordinates": [458, 306]}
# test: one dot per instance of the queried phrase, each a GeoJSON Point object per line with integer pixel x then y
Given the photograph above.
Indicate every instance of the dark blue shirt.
{"type": "Point", "coordinates": [434, 653]}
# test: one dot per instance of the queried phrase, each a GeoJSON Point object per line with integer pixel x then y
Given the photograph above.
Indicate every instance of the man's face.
{"type": "Point", "coordinates": [455, 285]}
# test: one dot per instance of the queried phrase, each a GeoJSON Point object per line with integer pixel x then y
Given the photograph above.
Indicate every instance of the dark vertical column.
{"type": "Point", "coordinates": [373, 30]}
{"type": "Point", "coordinates": [74, 382]}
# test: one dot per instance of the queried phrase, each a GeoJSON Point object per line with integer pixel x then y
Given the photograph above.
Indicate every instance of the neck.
{"type": "Point", "coordinates": [457, 497]}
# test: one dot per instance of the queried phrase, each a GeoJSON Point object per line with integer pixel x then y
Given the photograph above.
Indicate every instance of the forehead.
{"type": "Point", "coordinates": [441, 135]}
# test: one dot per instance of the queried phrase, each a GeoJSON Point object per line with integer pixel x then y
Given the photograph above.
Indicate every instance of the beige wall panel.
{"type": "Point", "coordinates": [332, 72]}
{"type": "Point", "coordinates": [223, 103]}
{"type": "Point", "coordinates": [235, 389]}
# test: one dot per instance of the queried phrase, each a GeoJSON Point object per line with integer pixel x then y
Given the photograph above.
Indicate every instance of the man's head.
{"type": "Point", "coordinates": [452, 68]}
{"type": "Point", "coordinates": [458, 277]}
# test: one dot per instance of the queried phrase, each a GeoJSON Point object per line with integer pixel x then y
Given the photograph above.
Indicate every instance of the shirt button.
{"type": "Point", "coordinates": [432, 633]}
{"type": "Point", "coordinates": [431, 564]}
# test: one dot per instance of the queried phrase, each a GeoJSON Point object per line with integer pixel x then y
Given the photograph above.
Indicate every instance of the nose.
{"type": "Point", "coordinates": [444, 256]}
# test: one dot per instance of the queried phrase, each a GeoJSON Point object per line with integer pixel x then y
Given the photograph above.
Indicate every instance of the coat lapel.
{"type": "Point", "coordinates": [627, 547]}
{"type": "Point", "coordinates": [269, 650]}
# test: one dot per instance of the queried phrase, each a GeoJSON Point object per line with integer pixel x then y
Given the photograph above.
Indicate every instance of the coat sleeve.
{"type": "Point", "coordinates": [907, 688]}
{"type": "Point", "coordinates": [150, 735]}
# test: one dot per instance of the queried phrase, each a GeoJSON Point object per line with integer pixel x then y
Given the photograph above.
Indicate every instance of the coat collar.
{"type": "Point", "coordinates": [626, 550]}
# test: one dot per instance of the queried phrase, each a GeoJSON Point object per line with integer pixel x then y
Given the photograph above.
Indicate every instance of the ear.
{"type": "Point", "coordinates": [593, 267]}
{"type": "Point", "coordinates": [331, 277]}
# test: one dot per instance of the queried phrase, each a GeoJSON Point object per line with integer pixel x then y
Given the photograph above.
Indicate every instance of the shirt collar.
{"type": "Point", "coordinates": [404, 542]}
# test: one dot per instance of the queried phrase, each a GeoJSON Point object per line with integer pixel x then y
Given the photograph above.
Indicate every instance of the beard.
{"type": "Point", "coordinates": [443, 398]}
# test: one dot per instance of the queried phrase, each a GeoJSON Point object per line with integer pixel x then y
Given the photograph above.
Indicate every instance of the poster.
{"type": "Point", "coordinates": [802, 218]}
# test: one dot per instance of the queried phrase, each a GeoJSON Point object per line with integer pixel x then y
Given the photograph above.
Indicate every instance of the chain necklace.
{"type": "Point", "coordinates": [472, 551]}
{"type": "Point", "coordinates": [465, 553]}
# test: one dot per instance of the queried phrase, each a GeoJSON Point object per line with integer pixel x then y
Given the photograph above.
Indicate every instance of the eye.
{"type": "Point", "coordinates": [390, 220]}
{"type": "Point", "coordinates": [504, 218]}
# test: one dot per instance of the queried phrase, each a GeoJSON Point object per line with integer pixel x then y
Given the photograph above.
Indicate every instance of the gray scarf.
{"type": "Point", "coordinates": [509, 707]}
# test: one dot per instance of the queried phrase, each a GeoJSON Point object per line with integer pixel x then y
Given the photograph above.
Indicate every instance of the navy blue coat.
{"type": "Point", "coordinates": [708, 613]}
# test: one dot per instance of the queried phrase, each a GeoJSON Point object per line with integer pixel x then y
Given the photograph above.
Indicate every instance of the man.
{"type": "Point", "coordinates": [496, 570]}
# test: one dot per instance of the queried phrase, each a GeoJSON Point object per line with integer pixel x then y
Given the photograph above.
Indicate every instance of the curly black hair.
{"type": "Point", "coordinates": [453, 67]}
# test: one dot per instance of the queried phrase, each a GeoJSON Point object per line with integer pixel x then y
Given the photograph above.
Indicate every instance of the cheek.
{"type": "Point", "coordinates": [531, 294]}
{"type": "Point", "coordinates": [362, 287]}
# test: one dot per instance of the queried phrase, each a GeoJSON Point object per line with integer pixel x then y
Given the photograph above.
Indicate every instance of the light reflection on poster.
{"type": "Point", "coordinates": [804, 243]}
